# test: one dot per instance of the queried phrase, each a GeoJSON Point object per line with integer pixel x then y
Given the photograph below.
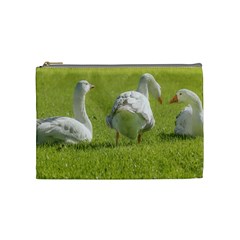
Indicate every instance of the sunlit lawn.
{"type": "Point", "coordinates": [161, 154]}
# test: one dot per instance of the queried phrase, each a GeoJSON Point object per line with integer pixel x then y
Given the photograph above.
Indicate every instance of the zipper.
{"type": "Point", "coordinates": [61, 65]}
{"type": "Point", "coordinates": [50, 64]}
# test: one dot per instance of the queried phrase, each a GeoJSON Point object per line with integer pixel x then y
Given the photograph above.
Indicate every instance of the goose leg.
{"type": "Point", "coordinates": [139, 138]}
{"type": "Point", "coordinates": [117, 137]}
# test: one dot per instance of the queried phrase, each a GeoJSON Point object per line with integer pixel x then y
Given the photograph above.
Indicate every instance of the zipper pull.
{"type": "Point", "coordinates": [48, 64]}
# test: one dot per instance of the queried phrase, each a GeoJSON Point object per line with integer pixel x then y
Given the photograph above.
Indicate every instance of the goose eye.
{"type": "Point", "coordinates": [180, 93]}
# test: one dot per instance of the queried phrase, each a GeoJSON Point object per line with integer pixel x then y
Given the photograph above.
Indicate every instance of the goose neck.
{"type": "Point", "coordinates": [79, 109]}
{"type": "Point", "coordinates": [196, 105]}
{"type": "Point", "coordinates": [143, 88]}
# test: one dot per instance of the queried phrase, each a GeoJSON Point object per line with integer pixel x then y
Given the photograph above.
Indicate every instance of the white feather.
{"type": "Point", "coordinates": [184, 122]}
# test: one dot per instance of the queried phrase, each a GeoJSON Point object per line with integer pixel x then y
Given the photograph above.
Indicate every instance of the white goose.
{"type": "Point", "coordinates": [131, 113]}
{"type": "Point", "coordinates": [65, 129]}
{"type": "Point", "coordinates": [190, 120]}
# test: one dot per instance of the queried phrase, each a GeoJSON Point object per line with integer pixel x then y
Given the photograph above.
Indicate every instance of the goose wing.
{"type": "Point", "coordinates": [184, 122]}
{"type": "Point", "coordinates": [134, 102]}
{"type": "Point", "coordinates": [61, 129]}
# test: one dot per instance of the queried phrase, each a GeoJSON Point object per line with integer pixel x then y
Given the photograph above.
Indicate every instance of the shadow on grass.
{"type": "Point", "coordinates": [80, 146]}
{"type": "Point", "coordinates": [162, 136]}
{"type": "Point", "coordinates": [99, 145]}
{"type": "Point", "coordinates": [93, 145]}
{"type": "Point", "coordinates": [173, 137]}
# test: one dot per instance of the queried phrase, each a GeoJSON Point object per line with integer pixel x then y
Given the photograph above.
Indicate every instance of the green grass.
{"type": "Point", "coordinates": [161, 154]}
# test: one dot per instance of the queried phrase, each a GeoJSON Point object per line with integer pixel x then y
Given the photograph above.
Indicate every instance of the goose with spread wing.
{"type": "Point", "coordinates": [65, 129]}
{"type": "Point", "coordinates": [131, 114]}
{"type": "Point", "coordinates": [190, 120]}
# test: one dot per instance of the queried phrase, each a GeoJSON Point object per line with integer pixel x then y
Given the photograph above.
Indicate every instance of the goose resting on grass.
{"type": "Point", "coordinates": [131, 113]}
{"type": "Point", "coordinates": [65, 129]}
{"type": "Point", "coordinates": [190, 120]}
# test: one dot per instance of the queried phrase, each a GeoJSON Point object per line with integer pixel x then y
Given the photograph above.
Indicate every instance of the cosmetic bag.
{"type": "Point", "coordinates": [142, 121]}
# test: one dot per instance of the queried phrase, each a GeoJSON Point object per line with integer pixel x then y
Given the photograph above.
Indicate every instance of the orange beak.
{"type": "Point", "coordinates": [174, 99]}
{"type": "Point", "coordinates": [160, 100]}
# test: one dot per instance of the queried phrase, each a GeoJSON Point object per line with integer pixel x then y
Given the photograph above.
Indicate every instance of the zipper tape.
{"type": "Point", "coordinates": [61, 65]}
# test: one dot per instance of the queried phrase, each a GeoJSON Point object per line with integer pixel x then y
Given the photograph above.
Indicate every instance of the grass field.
{"type": "Point", "coordinates": [161, 154]}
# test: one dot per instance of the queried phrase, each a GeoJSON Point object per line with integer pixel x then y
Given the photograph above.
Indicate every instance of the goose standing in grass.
{"type": "Point", "coordinates": [65, 129]}
{"type": "Point", "coordinates": [131, 113]}
{"type": "Point", "coordinates": [190, 120]}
